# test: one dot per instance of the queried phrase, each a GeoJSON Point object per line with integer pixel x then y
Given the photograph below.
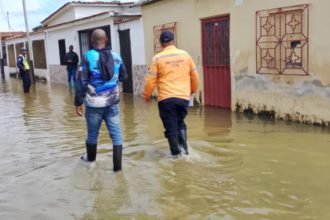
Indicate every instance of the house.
{"type": "Point", "coordinates": [38, 53]}
{"type": "Point", "coordinates": [252, 55]}
{"type": "Point", "coordinates": [73, 23]}
{"type": "Point", "coordinates": [3, 51]}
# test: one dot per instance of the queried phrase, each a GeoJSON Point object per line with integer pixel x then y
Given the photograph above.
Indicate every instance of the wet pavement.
{"type": "Point", "coordinates": [240, 167]}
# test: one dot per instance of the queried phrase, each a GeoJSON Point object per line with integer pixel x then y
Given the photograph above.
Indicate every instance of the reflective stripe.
{"type": "Point", "coordinates": [152, 74]}
{"type": "Point", "coordinates": [170, 55]}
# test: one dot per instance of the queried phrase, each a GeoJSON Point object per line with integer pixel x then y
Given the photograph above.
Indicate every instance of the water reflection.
{"type": "Point", "coordinates": [240, 167]}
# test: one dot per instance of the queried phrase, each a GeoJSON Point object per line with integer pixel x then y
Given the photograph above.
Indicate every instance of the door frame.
{"type": "Point", "coordinates": [126, 55]}
{"type": "Point", "coordinates": [204, 56]}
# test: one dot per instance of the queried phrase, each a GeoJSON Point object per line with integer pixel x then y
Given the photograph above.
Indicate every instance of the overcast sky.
{"type": "Point", "coordinates": [37, 11]}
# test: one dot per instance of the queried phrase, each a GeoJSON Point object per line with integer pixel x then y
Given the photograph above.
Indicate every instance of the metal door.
{"type": "Point", "coordinates": [216, 62]}
{"type": "Point", "coordinates": [126, 54]}
{"type": "Point", "coordinates": [62, 50]}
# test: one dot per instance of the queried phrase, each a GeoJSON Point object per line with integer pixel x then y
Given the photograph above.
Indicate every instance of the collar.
{"type": "Point", "coordinates": [171, 47]}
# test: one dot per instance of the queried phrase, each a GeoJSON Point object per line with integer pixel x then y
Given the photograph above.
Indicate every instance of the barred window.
{"type": "Point", "coordinates": [157, 32]}
{"type": "Point", "coordinates": [282, 40]}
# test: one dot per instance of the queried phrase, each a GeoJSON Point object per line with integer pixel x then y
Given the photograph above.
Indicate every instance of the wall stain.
{"type": "Point", "coordinates": [305, 101]}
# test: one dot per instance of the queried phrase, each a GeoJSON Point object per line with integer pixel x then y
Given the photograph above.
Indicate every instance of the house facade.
{"type": "Point", "coordinates": [252, 55]}
{"type": "Point", "coordinates": [73, 23]}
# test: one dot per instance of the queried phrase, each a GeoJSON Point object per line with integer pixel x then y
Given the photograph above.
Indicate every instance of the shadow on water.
{"type": "Point", "coordinates": [240, 166]}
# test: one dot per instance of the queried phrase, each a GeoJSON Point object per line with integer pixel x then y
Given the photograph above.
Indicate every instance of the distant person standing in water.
{"type": "Point", "coordinates": [174, 74]}
{"type": "Point", "coordinates": [24, 69]}
{"type": "Point", "coordinates": [99, 75]}
{"type": "Point", "coordinates": [71, 60]}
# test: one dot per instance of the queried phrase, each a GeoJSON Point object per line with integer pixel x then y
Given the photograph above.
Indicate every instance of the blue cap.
{"type": "Point", "coordinates": [166, 36]}
{"type": "Point", "coordinates": [23, 49]}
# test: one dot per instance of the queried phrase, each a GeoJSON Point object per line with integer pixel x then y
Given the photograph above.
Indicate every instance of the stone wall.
{"type": "Point", "coordinates": [58, 74]}
{"type": "Point", "coordinates": [139, 72]}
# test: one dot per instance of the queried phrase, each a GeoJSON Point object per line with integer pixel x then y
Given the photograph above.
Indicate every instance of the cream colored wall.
{"type": "Point", "coordinates": [299, 98]}
{"type": "Point", "coordinates": [188, 27]}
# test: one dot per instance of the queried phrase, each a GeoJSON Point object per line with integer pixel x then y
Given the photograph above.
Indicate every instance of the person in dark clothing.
{"type": "Point", "coordinates": [71, 60]}
{"type": "Point", "coordinates": [100, 72]}
{"type": "Point", "coordinates": [24, 70]}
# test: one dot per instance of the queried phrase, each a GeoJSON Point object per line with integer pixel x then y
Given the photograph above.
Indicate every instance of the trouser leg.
{"type": "Point", "coordinates": [26, 81]}
{"type": "Point", "coordinates": [168, 115]}
{"type": "Point", "coordinates": [112, 121]}
{"type": "Point", "coordinates": [182, 110]}
{"type": "Point", "coordinates": [94, 120]}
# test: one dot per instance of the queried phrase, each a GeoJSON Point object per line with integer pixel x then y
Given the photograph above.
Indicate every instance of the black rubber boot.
{"type": "Point", "coordinates": [117, 154]}
{"type": "Point", "coordinates": [91, 150]}
{"type": "Point", "coordinates": [183, 140]}
{"type": "Point", "coordinates": [174, 146]}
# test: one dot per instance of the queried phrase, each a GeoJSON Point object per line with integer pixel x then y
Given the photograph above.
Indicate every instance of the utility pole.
{"type": "Point", "coordinates": [29, 42]}
{"type": "Point", "coordinates": [1, 60]}
{"type": "Point", "coordinates": [8, 21]}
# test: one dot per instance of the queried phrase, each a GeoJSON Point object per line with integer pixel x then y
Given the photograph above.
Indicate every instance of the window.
{"type": "Point", "coordinates": [11, 55]}
{"type": "Point", "coordinates": [39, 55]}
{"type": "Point", "coordinates": [157, 32]}
{"type": "Point", "coordinates": [282, 40]}
{"type": "Point", "coordinates": [62, 51]}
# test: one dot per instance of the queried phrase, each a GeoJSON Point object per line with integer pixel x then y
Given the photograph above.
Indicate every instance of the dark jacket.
{"type": "Point", "coordinates": [71, 56]}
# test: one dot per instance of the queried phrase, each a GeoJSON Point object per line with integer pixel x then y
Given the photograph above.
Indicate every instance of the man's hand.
{"type": "Point", "coordinates": [145, 98]}
{"type": "Point", "coordinates": [79, 110]}
{"type": "Point", "coordinates": [69, 61]}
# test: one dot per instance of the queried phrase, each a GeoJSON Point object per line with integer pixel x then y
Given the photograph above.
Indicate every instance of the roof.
{"type": "Point", "coordinates": [5, 35]}
{"type": "Point", "coordinates": [110, 13]}
{"type": "Point", "coordinates": [80, 19]}
{"type": "Point", "coordinates": [145, 2]}
{"type": "Point", "coordinates": [23, 34]}
{"type": "Point", "coordinates": [116, 3]}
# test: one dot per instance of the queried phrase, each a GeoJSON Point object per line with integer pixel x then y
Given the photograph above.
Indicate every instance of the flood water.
{"type": "Point", "coordinates": [241, 167]}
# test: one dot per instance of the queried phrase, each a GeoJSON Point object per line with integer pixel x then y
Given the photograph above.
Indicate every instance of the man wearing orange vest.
{"type": "Point", "coordinates": [24, 70]}
{"type": "Point", "coordinates": [174, 74]}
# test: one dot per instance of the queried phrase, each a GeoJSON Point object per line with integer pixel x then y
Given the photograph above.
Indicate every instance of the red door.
{"type": "Point", "coordinates": [216, 62]}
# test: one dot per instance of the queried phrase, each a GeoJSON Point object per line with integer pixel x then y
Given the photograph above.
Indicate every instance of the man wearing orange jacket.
{"type": "Point", "coordinates": [174, 74]}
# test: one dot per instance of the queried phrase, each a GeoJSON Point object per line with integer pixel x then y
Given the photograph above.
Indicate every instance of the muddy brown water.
{"type": "Point", "coordinates": [240, 167]}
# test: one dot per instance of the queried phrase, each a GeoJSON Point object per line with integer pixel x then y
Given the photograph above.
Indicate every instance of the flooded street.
{"type": "Point", "coordinates": [241, 167]}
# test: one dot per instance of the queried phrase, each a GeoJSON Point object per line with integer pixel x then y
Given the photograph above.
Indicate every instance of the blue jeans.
{"type": "Point", "coordinates": [94, 118]}
{"type": "Point", "coordinates": [72, 74]}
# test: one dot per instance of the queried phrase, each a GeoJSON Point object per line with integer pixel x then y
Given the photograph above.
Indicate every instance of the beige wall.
{"type": "Point", "coordinates": [299, 98]}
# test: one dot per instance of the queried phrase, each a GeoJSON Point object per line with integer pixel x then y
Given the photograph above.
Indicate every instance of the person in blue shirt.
{"type": "Point", "coordinates": [24, 70]}
{"type": "Point", "coordinates": [99, 74]}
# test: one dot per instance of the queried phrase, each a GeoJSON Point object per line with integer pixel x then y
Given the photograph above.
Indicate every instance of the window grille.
{"type": "Point", "coordinates": [282, 40]}
{"type": "Point", "coordinates": [157, 32]}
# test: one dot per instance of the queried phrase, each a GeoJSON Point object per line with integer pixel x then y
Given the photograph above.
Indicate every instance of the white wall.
{"type": "Point", "coordinates": [83, 11]}
{"type": "Point", "coordinates": [70, 34]}
{"type": "Point", "coordinates": [65, 16]}
{"type": "Point", "coordinates": [137, 40]}
{"type": "Point", "coordinates": [88, 10]}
